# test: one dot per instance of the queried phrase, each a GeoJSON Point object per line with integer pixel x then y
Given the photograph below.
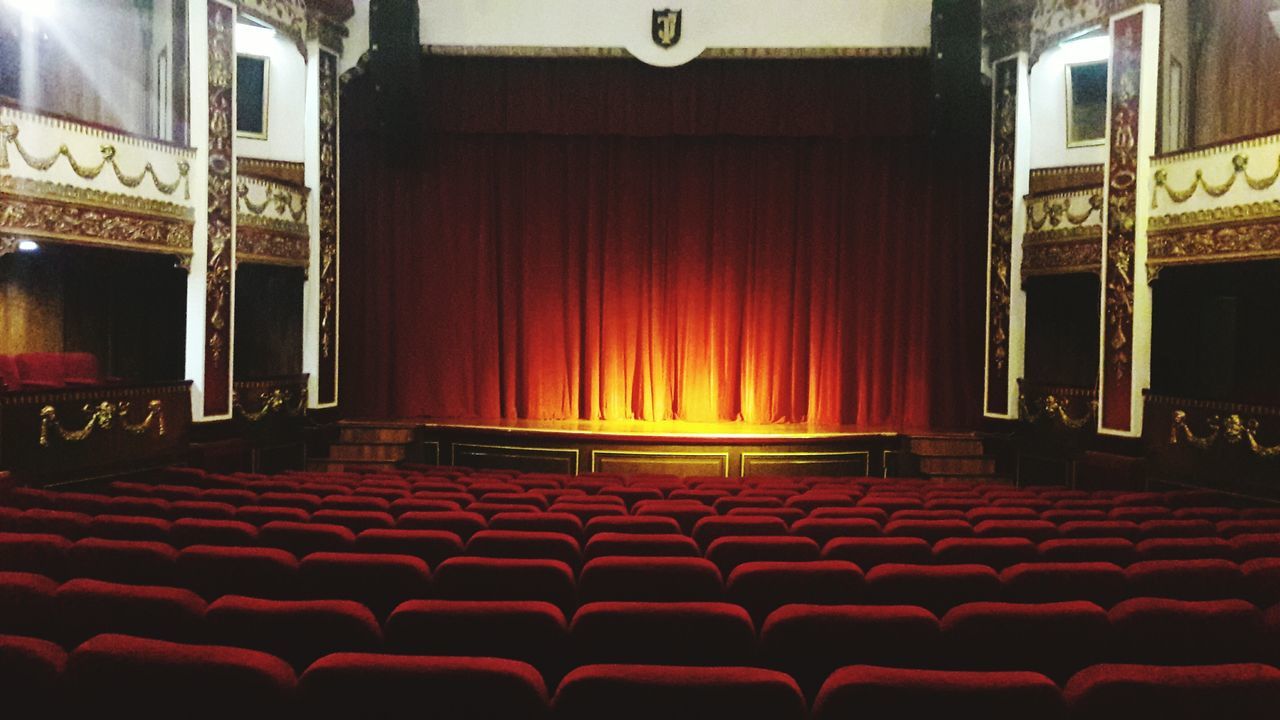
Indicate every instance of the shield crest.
{"type": "Point", "coordinates": [666, 27]}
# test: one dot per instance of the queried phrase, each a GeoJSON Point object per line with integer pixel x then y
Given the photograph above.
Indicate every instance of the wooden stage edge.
{"type": "Point", "coordinates": [669, 448]}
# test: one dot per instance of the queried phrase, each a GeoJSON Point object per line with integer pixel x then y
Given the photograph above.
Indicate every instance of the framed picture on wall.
{"type": "Point", "coordinates": [252, 75]}
{"type": "Point", "coordinates": [1175, 133]}
{"type": "Point", "coordinates": [1086, 103]}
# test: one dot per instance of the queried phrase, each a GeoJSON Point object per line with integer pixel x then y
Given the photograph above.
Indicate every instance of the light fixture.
{"type": "Point", "coordinates": [28, 246]}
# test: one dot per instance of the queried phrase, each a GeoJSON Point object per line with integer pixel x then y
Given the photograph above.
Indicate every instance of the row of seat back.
{"type": "Point", "coordinates": [151, 678]}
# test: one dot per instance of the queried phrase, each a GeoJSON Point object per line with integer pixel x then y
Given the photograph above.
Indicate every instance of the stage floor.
{"type": "Point", "coordinates": [729, 449]}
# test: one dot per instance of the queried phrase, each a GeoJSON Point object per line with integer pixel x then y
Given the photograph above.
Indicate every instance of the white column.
{"type": "Point", "coordinates": [198, 138]}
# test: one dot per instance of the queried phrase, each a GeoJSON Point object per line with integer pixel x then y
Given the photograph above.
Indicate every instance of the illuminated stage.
{"type": "Point", "coordinates": [728, 449]}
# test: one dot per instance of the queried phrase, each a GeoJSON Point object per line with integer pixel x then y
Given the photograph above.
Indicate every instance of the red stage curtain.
{"type": "Point", "coordinates": [817, 260]}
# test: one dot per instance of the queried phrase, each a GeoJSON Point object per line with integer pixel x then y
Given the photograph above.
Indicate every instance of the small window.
{"type": "Point", "coordinates": [251, 96]}
{"type": "Point", "coordinates": [1086, 104]}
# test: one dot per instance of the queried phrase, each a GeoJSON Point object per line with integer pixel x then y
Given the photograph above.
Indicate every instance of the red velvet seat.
{"type": "Point", "coordinates": [10, 378]}
{"type": "Point", "coordinates": [809, 642]}
{"type": "Point", "coordinates": [786, 515]}
{"type": "Point", "coordinates": [646, 692]}
{"type": "Point", "coordinates": [1122, 692]}
{"type": "Point", "coordinates": [175, 492]}
{"type": "Point", "coordinates": [296, 631]}
{"type": "Point", "coordinates": [586, 512]}
{"type": "Point", "coordinates": [823, 530]}
{"type": "Point", "coordinates": [730, 552]}
{"type": "Point", "coordinates": [1185, 579]}
{"type": "Point", "coordinates": [936, 588]}
{"type": "Point", "coordinates": [141, 562]}
{"type": "Point", "coordinates": [488, 509]}
{"type": "Point", "coordinates": [26, 604]}
{"type": "Point", "coordinates": [364, 685]}
{"type": "Point", "coordinates": [87, 503]}
{"type": "Point", "coordinates": [27, 498]}
{"type": "Point", "coordinates": [607, 544]}
{"type": "Point", "coordinates": [646, 579]}
{"type": "Point", "coordinates": [305, 538]}
{"type": "Point", "coordinates": [302, 501]}
{"type": "Point", "coordinates": [378, 581]}
{"type": "Point", "coordinates": [1058, 516]}
{"type": "Point", "coordinates": [1175, 528]}
{"type": "Point", "coordinates": [528, 631]}
{"type": "Point", "coordinates": [1250, 546]}
{"type": "Point", "coordinates": [454, 496]}
{"type": "Point", "coordinates": [461, 523]}
{"type": "Point", "coordinates": [1185, 549]}
{"type": "Point", "coordinates": [631, 495]}
{"type": "Point", "coordinates": [82, 370]}
{"type": "Point", "coordinates": [851, 513]}
{"type": "Point", "coordinates": [709, 529]}
{"type": "Point", "coordinates": [533, 500]}
{"type": "Point", "coordinates": [130, 527]}
{"type": "Point", "coordinates": [526, 544]}
{"type": "Point", "coordinates": [685, 512]}
{"type": "Point", "coordinates": [1118, 551]}
{"type": "Point", "coordinates": [91, 607]}
{"type": "Point", "coordinates": [978, 514]}
{"type": "Point", "coordinates": [198, 531]}
{"type": "Point", "coordinates": [40, 553]}
{"type": "Point", "coordinates": [202, 509]}
{"type": "Point", "coordinates": [261, 515]}
{"type": "Point", "coordinates": [1055, 639]}
{"type": "Point", "coordinates": [359, 503]}
{"type": "Point", "coordinates": [30, 672]}
{"type": "Point", "coordinates": [706, 496]}
{"type": "Point", "coordinates": [236, 497]}
{"type": "Point", "coordinates": [663, 633]}
{"type": "Point", "coordinates": [726, 504]}
{"type": "Point", "coordinates": [41, 371]}
{"type": "Point", "coordinates": [1101, 583]}
{"type": "Point", "coordinates": [214, 571]}
{"type": "Point", "coordinates": [592, 499]}
{"type": "Point", "coordinates": [863, 691]}
{"type": "Point", "coordinates": [813, 499]}
{"type": "Point", "coordinates": [869, 552]}
{"type": "Point", "coordinates": [891, 503]}
{"type": "Point", "coordinates": [762, 587]}
{"type": "Point", "coordinates": [630, 524]}
{"type": "Point", "coordinates": [431, 546]}
{"type": "Point", "coordinates": [71, 525]}
{"type": "Point", "coordinates": [412, 504]}
{"type": "Point", "coordinates": [1262, 581]}
{"type": "Point", "coordinates": [554, 522]}
{"type": "Point", "coordinates": [477, 578]}
{"type": "Point", "coordinates": [1231, 528]}
{"type": "Point", "coordinates": [137, 677]}
{"type": "Point", "coordinates": [1213, 514]}
{"type": "Point", "coordinates": [1159, 631]}
{"type": "Point", "coordinates": [997, 553]}
{"type": "Point", "coordinates": [1139, 513]}
{"type": "Point", "coordinates": [354, 520]}
{"type": "Point", "coordinates": [1034, 530]}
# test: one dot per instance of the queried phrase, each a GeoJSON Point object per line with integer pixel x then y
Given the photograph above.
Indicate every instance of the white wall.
{"type": "Point", "coordinates": [627, 23]}
{"type": "Point", "coordinates": [1049, 105]}
{"type": "Point", "coordinates": [286, 88]}
{"type": "Point", "coordinates": [1175, 48]}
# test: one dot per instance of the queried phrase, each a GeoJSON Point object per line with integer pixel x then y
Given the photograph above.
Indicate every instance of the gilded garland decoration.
{"type": "Point", "coordinates": [1239, 169]}
{"type": "Point", "coordinates": [1052, 409]}
{"type": "Point", "coordinates": [274, 402]}
{"type": "Point", "coordinates": [221, 208]}
{"type": "Point", "coordinates": [93, 226]}
{"type": "Point", "coordinates": [9, 135]}
{"type": "Point", "coordinates": [1001, 248]}
{"type": "Point", "coordinates": [1231, 430]}
{"type": "Point", "coordinates": [104, 416]}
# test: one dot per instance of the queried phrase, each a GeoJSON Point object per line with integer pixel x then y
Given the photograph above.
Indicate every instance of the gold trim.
{"type": "Point", "coordinates": [59, 192]}
{"type": "Point", "coordinates": [1063, 236]}
{"type": "Point", "coordinates": [1207, 151]}
{"type": "Point", "coordinates": [1052, 409]}
{"type": "Point", "coordinates": [531, 453]}
{"type": "Point", "coordinates": [293, 173]}
{"type": "Point", "coordinates": [435, 443]}
{"type": "Point", "coordinates": [1070, 83]}
{"type": "Point", "coordinates": [1232, 430]}
{"type": "Point", "coordinates": [725, 53]}
{"type": "Point", "coordinates": [9, 133]}
{"type": "Point", "coordinates": [266, 97]}
{"type": "Point", "coordinates": [104, 416]}
{"type": "Point", "coordinates": [274, 402]}
{"type": "Point", "coordinates": [1265, 210]}
{"type": "Point", "coordinates": [673, 456]}
{"type": "Point", "coordinates": [1056, 208]}
{"type": "Point", "coordinates": [1239, 169]}
{"type": "Point", "coordinates": [866, 458]}
{"type": "Point", "coordinates": [1254, 241]}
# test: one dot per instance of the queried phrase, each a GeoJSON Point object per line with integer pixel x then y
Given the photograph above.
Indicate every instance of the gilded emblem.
{"type": "Point", "coordinates": [666, 27]}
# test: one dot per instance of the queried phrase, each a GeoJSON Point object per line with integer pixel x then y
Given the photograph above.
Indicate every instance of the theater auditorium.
{"type": "Point", "coordinates": [622, 360]}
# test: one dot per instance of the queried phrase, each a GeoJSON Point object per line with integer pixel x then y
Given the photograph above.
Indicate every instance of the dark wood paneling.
{"type": "Point", "coordinates": [524, 459]}
{"type": "Point", "coordinates": [660, 462]}
{"type": "Point", "coordinates": [757, 463]}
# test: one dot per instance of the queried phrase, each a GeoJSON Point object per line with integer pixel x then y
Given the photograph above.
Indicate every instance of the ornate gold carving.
{"type": "Point", "coordinates": [255, 245]}
{"type": "Point", "coordinates": [726, 53]}
{"type": "Point", "coordinates": [273, 402]}
{"type": "Point", "coordinates": [328, 203]}
{"type": "Point", "coordinates": [8, 245]}
{"type": "Point", "coordinates": [1254, 241]}
{"type": "Point", "coordinates": [1050, 408]}
{"type": "Point", "coordinates": [58, 192]}
{"type": "Point", "coordinates": [1058, 257]}
{"type": "Point", "coordinates": [1239, 169]}
{"type": "Point", "coordinates": [1068, 178]}
{"type": "Point", "coordinates": [1001, 244]}
{"type": "Point", "coordinates": [1265, 210]}
{"type": "Point", "coordinates": [287, 16]}
{"type": "Point", "coordinates": [221, 208]}
{"type": "Point", "coordinates": [1055, 210]}
{"type": "Point", "coordinates": [1231, 430]}
{"type": "Point", "coordinates": [1121, 221]}
{"type": "Point", "coordinates": [93, 226]}
{"type": "Point", "coordinates": [9, 136]}
{"type": "Point", "coordinates": [1055, 20]}
{"type": "Point", "coordinates": [104, 416]}
{"type": "Point", "coordinates": [326, 30]}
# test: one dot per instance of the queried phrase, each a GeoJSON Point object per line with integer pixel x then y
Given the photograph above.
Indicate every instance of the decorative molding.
{"type": "Point", "coordinates": [328, 238]}
{"type": "Point", "coordinates": [726, 53]}
{"type": "Point", "coordinates": [329, 32]}
{"type": "Point", "coordinates": [293, 173]}
{"type": "Point", "coordinates": [1121, 222]}
{"type": "Point", "coordinates": [290, 402]}
{"type": "Point", "coordinates": [1239, 169]}
{"type": "Point", "coordinates": [1050, 408]}
{"type": "Point", "coordinates": [1253, 212]}
{"type": "Point", "coordinates": [1050, 180]}
{"type": "Point", "coordinates": [263, 247]}
{"type": "Point", "coordinates": [1230, 430]}
{"type": "Point", "coordinates": [88, 197]}
{"type": "Point", "coordinates": [1206, 245]}
{"type": "Point", "coordinates": [221, 211]}
{"type": "Point", "coordinates": [93, 226]}
{"type": "Point", "coordinates": [276, 200]}
{"type": "Point", "coordinates": [9, 135]}
{"type": "Point", "coordinates": [1053, 209]}
{"type": "Point", "coordinates": [1000, 246]}
{"type": "Point", "coordinates": [1057, 257]}
{"type": "Point", "coordinates": [103, 416]}
{"type": "Point", "coordinates": [1053, 21]}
